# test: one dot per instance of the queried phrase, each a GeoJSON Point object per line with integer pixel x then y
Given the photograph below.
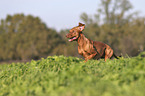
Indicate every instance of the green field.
{"type": "Point", "coordinates": [70, 76]}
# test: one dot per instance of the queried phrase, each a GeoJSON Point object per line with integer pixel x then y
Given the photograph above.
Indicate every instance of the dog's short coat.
{"type": "Point", "coordinates": [87, 48]}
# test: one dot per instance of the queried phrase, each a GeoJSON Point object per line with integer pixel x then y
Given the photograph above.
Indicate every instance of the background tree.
{"type": "Point", "coordinates": [26, 37]}
{"type": "Point", "coordinates": [116, 26]}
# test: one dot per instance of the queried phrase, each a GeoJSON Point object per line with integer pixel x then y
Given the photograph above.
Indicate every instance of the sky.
{"type": "Point", "coordinates": [58, 14]}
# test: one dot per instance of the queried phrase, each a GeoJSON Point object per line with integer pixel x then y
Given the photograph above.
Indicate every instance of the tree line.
{"type": "Point", "coordinates": [27, 37]}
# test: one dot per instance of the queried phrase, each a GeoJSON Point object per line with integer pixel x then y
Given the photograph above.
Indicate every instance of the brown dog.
{"type": "Point", "coordinates": [88, 48]}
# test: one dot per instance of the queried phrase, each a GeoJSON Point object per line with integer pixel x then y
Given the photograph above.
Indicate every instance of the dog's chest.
{"type": "Point", "coordinates": [80, 50]}
{"type": "Point", "coordinates": [86, 49]}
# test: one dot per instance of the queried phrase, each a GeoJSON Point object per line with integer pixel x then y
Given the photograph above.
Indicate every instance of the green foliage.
{"type": "Point", "coordinates": [63, 76]}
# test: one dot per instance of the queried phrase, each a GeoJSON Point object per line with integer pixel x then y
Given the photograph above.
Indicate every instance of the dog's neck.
{"type": "Point", "coordinates": [82, 40]}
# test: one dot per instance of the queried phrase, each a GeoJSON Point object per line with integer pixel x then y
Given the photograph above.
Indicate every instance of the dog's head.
{"type": "Point", "coordinates": [74, 33]}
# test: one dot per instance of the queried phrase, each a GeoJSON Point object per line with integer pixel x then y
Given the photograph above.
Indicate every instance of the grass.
{"type": "Point", "coordinates": [70, 76]}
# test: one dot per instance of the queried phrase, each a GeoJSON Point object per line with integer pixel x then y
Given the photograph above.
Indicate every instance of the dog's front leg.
{"type": "Point", "coordinates": [90, 57]}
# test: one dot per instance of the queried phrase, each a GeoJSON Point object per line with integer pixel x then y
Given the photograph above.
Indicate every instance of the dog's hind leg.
{"type": "Point", "coordinates": [108, 53]}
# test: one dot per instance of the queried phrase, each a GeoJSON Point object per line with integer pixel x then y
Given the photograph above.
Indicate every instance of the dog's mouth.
{"type": "Point", "coordinates": [72, 39]}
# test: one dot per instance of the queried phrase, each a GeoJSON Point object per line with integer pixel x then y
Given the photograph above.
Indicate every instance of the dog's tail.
{"type": "Point", "coordinates": [116, 56]}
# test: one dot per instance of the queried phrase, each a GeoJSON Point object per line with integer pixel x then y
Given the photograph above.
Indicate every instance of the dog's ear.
{"type": "Point", "coordinates": [81, 26]}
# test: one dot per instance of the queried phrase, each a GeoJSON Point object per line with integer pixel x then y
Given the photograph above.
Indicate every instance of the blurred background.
{"type": "Point", "coordinates": [32, 29]}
